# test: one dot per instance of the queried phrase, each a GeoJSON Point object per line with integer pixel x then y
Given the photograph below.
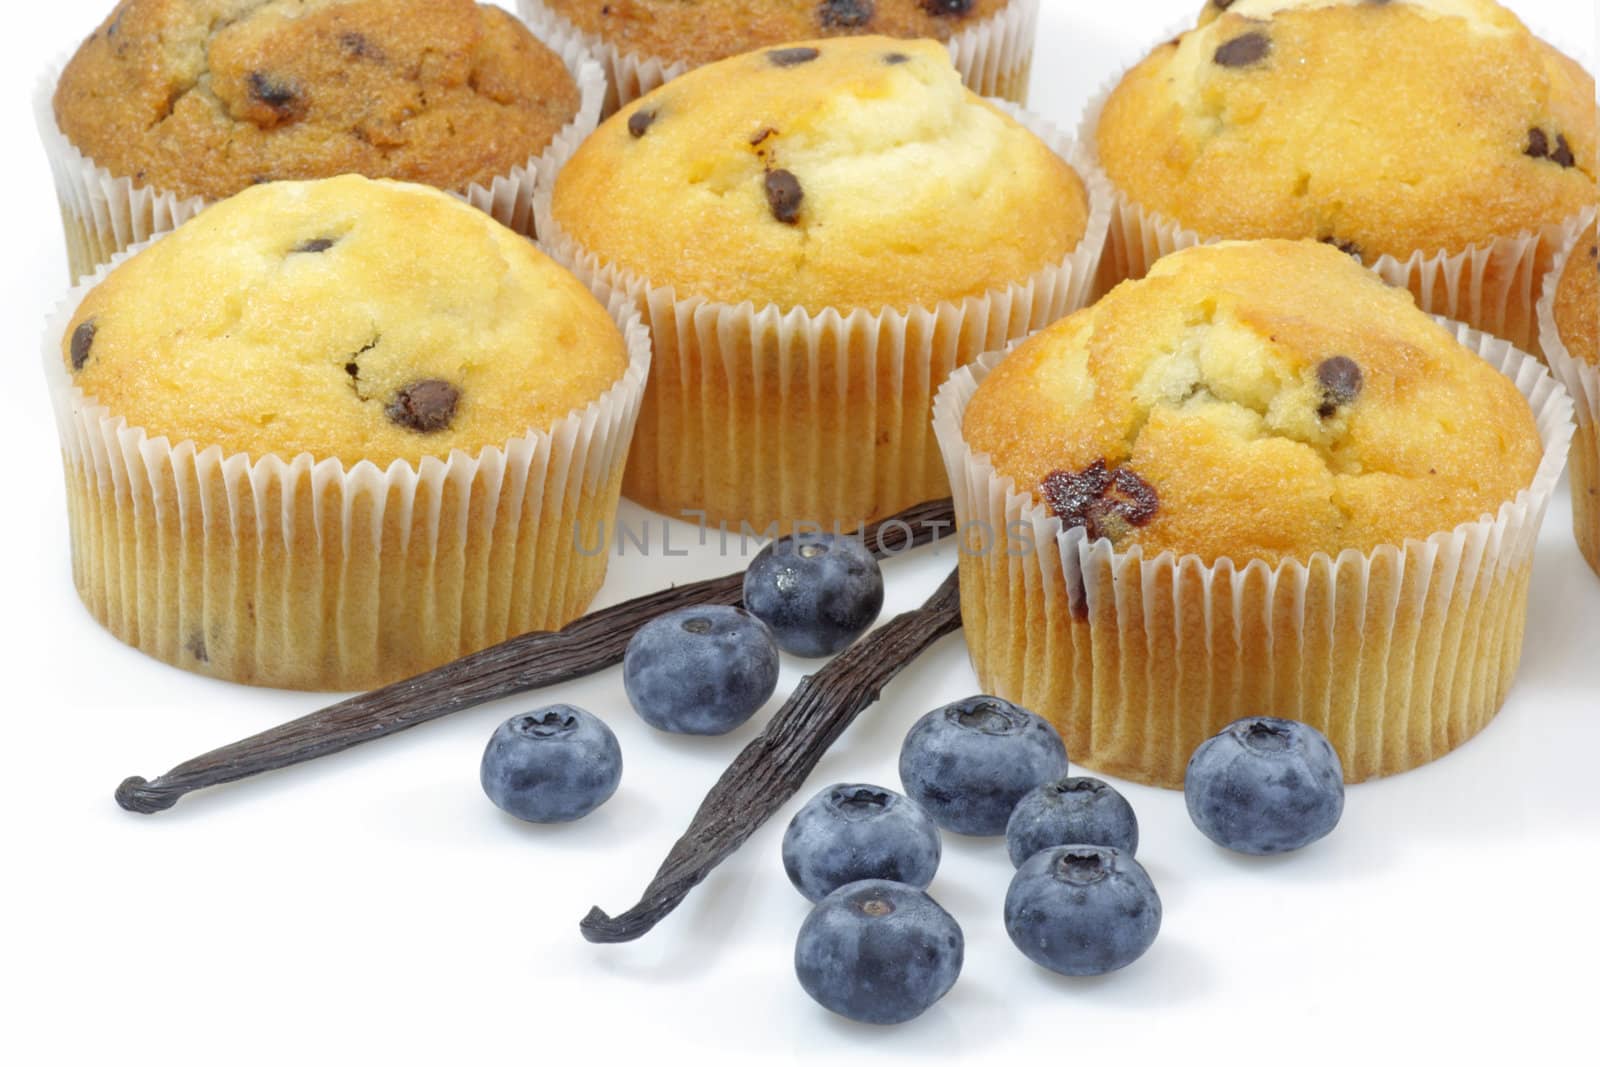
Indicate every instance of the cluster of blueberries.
{"type": "Point", "coordinates": [876, 947]}
{"type": "Point", "coordinates": [699, 670]}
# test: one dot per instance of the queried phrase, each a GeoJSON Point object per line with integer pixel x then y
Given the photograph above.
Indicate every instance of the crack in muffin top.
{"type": "Point", "coordinates": [1268, 400]}
{"type": "Point", "coordinates": [1381, 128]}
{"type": "Point", "coordinates": [847, 173]}
{"type": "Point", "coordinates": [345, 318]}
{"type": "Point", "coordinates": [208, 97]}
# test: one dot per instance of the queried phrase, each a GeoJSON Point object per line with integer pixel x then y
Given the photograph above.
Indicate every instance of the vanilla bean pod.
{"type": "Point", "coordinates": [531, 661]}
{"type": "Point", "coordinates": [774, 766]}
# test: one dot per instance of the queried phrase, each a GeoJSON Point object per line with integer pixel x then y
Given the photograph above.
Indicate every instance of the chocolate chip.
{"type": "Point", "coordinates": [316, 244]}
{"type": "Point", "coordinates": [640, 121]}
{"type": "Point", "coordinates": [784, 195]}
{"type": "Point", "coordinates": [791, 57]}
{"type": "Point", "coordinates": [196, 646]}
{"type": "Point", "coordinates": [1563, 152]}
{"type": "Point", "coordinates": [425, 406]}
{"type": "Point", "coordinates": [1340, 378]}
{"type": "Point", "coordinates": [1244, 50]}
{"type": "Point", "coordinates": [894, 59]}
{"type": "Point", "coordinates": [1538, 144]}
{"type": "Point", "coordinates": [1104, 502]}
{"type": "Point", "coordinates": [1349, 248]}
{"type": "Point", "coordinates": [281, 97]}
{"type": "Point", "coordinates": [353, 369]}
{"type": "Point", "coordinates": [844, 14]}
{"type": "Point", "coordinates": [947, 7]}
{"type": "Point", "coordinates": [82, 341]}
{"type": "Point", "coordinates": [357, 46]}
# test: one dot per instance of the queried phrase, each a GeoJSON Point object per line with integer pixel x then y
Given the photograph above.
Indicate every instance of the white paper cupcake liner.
{"type": "Point", "coordinates": [104, 214]}
{"type": "Point", "coordinates": [995, 56]}
{"type": "Point", "coordinates": [771, 417]}
{"type": "Point", "coordinates": [1582, 379]}
{"type": "Point", "coordinates": [303, 574]}
{"type": "Point", "coordinates": [1492, 287]}
{"type": "Point", "coordinates": [1398, 654]}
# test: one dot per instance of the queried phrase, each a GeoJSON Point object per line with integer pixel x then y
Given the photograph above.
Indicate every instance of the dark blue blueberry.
{"type": "Point", "coordinates": [878, 952]}
{"type": "Point", "coordinates": [552, 765]}
{"type": "Point", "coordinates": [969, 763]}
{"type": "Point", "coordinates": [850, 832]}
{"type": "Point", "coordinates": [1265, 785]}
{"type": "Point", "coordinates": [818, 592]}
{"type": "Point", "coordinates": [1071, 811]}
{"type": "Point", "coordinates": [701, 670]}
{"type": "Point", "coordinates": [1082, 909]}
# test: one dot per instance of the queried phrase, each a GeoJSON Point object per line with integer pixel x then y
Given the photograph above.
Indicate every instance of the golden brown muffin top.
{"type": "Point", "coordinates": [207, 97]}
{"type": "Point", "coordinates": [852, 173]}
{"type": "Point", "coordinates": [347, 317]}
{"type": "Point", "coordinates": [1261, 400]}
{"type": "Point", "coordinates": [700, 31]}
{"type": "Point", "coordinates": [1577, 303]}
{"type": "Point", "coordinates": [1418, 125]}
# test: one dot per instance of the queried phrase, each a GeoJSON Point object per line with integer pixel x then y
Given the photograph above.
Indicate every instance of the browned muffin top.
{"type": "Point", "coordinates": [700, 31]}
{"type": "Point", "coordinates": [1387, 128]}
{"type": "Point", "coordinates": [207, 97]}
{"type": "Point", "coordinates": [1577, 306]}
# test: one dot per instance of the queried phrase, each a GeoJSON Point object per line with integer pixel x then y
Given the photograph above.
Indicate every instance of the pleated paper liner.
{"type": "Point", "coordinates": [302, 574]}
{"type": "Point", "coordinates": [765, 416]}
{"type": "Point", "coordinates": [1399, 654]}
{"type": "Point", "coordinates": [104, 214]}
{"type": "Point", "coordinates": [995, 56]}
{"type": "Point", "coordinates": [1582, 380]}
{"type": "Point", "coordinates": [1493, 287]}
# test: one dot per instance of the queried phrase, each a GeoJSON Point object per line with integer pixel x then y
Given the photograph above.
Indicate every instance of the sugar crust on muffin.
{"type": "Point", "coordinates": [207, 97]}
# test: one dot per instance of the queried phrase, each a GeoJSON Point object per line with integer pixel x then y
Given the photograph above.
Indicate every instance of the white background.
{"type": "Point", "coordinates": [375, 907]}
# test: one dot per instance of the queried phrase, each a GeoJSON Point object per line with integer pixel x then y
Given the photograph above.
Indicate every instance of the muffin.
{"type": "Point", "coordinates": [330, 434]}
{"type": "Point", "coordinates": [1258, 481]}
{"type": "Point", "coordinates": [191, 101]}
{"type": "Point", "coordinates": [1438, 141]}
{"type": "Point", "coordinates": [644, 43]}
{"type": "Point", "coordinates": [1569, 336]}
{"type": "Point", "coordinates": [818, 235]}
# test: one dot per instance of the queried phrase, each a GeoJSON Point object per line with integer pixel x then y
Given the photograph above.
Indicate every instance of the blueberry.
{"type": "Point", "coordinates": [552, 765]}
{"type": "Point", "coordinates": [849, 832]}
{"type": "Point", "coordinates": [1071, 811]}
{"type": "Point", "coordinates": [878, 952]}
{"type": "Point", "coordinates": [818, 592]}
{"type": "Point", "coordinates": [702, 670]}
{"type": "Point", "coordinates": [969, 763]}
{"type": "Point", "coordinates": [1082, 909]}
{"type": "Point", "coordinates": [1265, 785]}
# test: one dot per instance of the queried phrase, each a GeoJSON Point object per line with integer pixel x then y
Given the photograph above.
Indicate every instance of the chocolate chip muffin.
{"type": "Point", "coordinates": [857, 223]}
{"type": "Point", "coordinates": [1570, 338]}
{"type": "Point", "coordinates": [204, 98]}
{"type": "Point", "coordinates": [1259, 481]}
{"type": "Point", "coordinates": [649, 41]}
{"type": "Point", "coordinates": [1403, 133]}
{"type": "Point", "coordinates": [346, 395]}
